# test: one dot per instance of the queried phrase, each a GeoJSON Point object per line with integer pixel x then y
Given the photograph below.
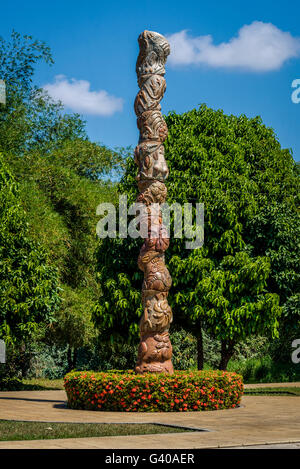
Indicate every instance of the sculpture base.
{"type": "Point", "coordinates": [155, 367]}
{"type": "Point", "coordinates": [154, 354]}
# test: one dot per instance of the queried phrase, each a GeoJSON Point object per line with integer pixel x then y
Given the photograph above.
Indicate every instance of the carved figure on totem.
{"type": "Point", "coordinates": [155, 349]}
{"type": "Point", "coordinates": [150, 159]}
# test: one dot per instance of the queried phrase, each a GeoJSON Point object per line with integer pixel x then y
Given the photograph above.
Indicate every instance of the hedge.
{"type": "Point", "coordinates": [126, 391]}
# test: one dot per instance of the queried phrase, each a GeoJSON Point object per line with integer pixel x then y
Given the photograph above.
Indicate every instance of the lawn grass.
{"type": "Point", "coordinates": [13, 431]}
{"type": "Point", "coordinates": [282, 391]}
{"type": "Point", "coordinates": [42, 384]}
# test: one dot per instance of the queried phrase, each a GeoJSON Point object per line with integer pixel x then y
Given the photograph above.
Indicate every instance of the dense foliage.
{"type": "Point", "coordinates": [183, 391]}
{"type": "Point", "coordinates": [59, 174]}
{"type": "Point", "coordinates": [28, 284]}
{"type": "Point", "coordinates": [233, 286]}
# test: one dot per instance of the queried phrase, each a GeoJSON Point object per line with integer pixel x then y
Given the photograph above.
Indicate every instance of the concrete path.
{"type": "Point", "coordinates": [267, 446]}
{"type": "Point", "coordinates": [260, 420]}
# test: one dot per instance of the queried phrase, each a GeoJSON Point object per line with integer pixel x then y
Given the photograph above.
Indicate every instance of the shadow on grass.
{"type": "Point", "coordinates": [39, 385]}
{"type": "Point", "coordinates": [33, 400]}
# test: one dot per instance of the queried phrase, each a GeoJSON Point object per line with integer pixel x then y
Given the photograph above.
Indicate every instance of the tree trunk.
{"type": "Point", "coordinates": [23, 364]}
{"type": "Point", "coordinates": [69, 358]}
{"type": "Point", "coordinates": [227, 349]}
{"type": "Point", "coordinates": [200, 355]}
{"type": "Point", "coordinates": [74, 358]}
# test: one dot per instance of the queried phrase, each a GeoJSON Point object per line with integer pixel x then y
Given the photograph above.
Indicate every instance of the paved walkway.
{"type": "Point", "coordinates": [267, 446]}
{"type": "Point", "coordinates": [260, 420]}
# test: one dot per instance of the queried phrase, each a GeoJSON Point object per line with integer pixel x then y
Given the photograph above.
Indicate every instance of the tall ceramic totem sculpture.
{"type": "Point", "coordinates": [155, 350]}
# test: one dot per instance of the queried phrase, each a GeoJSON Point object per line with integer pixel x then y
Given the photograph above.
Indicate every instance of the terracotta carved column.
{"type": "Point", "coordinates": [155, 350]}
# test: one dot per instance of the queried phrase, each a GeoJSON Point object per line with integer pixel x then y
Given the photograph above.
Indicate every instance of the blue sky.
{"type": "Point", "coordinates": [241, 57]}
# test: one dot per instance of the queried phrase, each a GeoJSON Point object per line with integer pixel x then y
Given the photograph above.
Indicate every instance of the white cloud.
{"type": "Point", "coordinates": [257, 47]}
{"type": "Point", "coordinates": [76, 95]}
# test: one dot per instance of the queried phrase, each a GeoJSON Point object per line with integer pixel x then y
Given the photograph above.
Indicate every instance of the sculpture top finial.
{"type": "Point", "coordinates": [154, 50]}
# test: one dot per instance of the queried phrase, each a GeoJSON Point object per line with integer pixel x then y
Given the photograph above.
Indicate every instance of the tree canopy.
{"type": "Point", "coordinates": [59, 173]}
{"type": "Point", "coordinates": [29, 292]}
{"type": "Point", "coordinates": [230, 286]}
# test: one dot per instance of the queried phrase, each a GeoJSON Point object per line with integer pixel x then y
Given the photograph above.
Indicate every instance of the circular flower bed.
{"type": "Point", "coordinates": [126, 391]}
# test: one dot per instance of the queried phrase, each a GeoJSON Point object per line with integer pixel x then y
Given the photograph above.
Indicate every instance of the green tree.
{"type": "Point", "coordinates": [28, 284]}
{"type": "Point", "coordinates": [60, 205]}
{"type": "Point", "coordinates": [236, 167]}
{"type": "Point", "coordinates": [73, 326]}
{"type": "Point", "coordinates": [59, 173]}
{"type": "Point", "coordinates": [229, 299]}
{"type": "Point", "coordinates": [31, 122]}
{"type": "Point", "coordinates": [276, 232]}
{"type": "Point", "coordinates": [30, 118]}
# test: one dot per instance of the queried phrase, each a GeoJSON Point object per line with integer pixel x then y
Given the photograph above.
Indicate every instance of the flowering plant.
{"type": "Point", "coordinates": [125, 391]}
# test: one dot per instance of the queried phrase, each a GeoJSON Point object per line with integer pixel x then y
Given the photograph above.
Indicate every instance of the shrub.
{"type": "Point", "coordinates": [10, 384]}
{"type": "Point", "coordinates": [265, 370]}
{"type": "Point", "coordinates": [184, 349]}
{"type": "Point", "coordinates": [104, 356]}
{"type": "Point", "coordinates": [126, 391]}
